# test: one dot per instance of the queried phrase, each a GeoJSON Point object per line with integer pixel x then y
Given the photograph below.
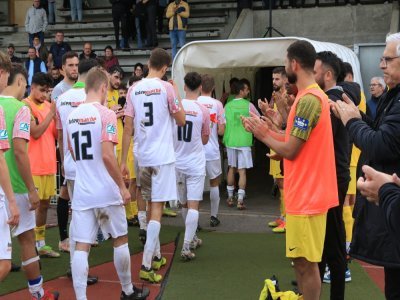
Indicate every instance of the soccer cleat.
{"type": "Point", "coordinates": [167, 212]}
{"type": "Point", "coordinates": [276, 222]}
{"type": "Point", "coordinates": [214, 222]}
{"type": "Point", "coordinates": [138, 294]}
{"type": "Point", "coordinates": [281, 228]}
{"type": "Point", "coordinates": [347, 276]}
{"type": "Point", "coordinates": [327, 276]}
{"type": "Point", "coordinates": [195, 243]}
{"type": "Point", "coordinates": [47, 251]}
{"type": "Point", "coordinates": [241, 206]}
{"type": "Point", "coordinates": [63, 246]}
{"type": "Point", "coordinates": [187, 255]}
{"type": "Point", "coordinates": [149, 275]}
{"type": "Point", "coordinates": [230, 202]}
{"type": "Point", "coordinates": [142, 236]}
{"type": "Point", "coordinates": [158, 263]}
{"type": "Point", "coordinates": [48, 295]}
{"type": "Point", "coordinates": [133, 222]}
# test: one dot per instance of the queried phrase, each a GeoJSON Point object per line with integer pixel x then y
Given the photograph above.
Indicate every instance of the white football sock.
{"type": "Point", "coordinates": [230, 189]}
{"type": "Point", "coordinates": [192, 220]}
{"type": "Point", "coordinates": [80, 270]}
{"type": "Point", "coordinates": [153, 231]}
{"type": "Point", "coordinates": [142, 215]}
{"type": "Point", "coordinates": [241, 194]}
{"type": "Point", "coordinates": [122, 263]}
{"type": "Point", "coordinates": [214, 200]}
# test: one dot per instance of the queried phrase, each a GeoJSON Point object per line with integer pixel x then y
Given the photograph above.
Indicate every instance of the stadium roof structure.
{"type": "Point", "coordinates": [225, 59]}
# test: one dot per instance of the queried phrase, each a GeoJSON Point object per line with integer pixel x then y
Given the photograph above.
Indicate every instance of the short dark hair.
{"type": "Point", "coordinates": [31, 47]}
{"type": "Point", "coordinates": [133, 79]}
{"type": "Point", "coordinates": [331, 61]}
{"type": "Point", "coordinates": [159, 58]}
{"type": "Point", "coordinates": [138, 65]}
{"type": "Point", "coordinates": [207, 83]}
{"type": "Point", "coordinates": [60, 31]}
{"type": "Point", "coordinates": [233, 80]}
{"type": "Point", "coordinates": [279, 70]}
{"type": "Point", "coordinates": [246, 82]}
{"type": "Point", "coordinates": [11, 45]}
{"type": "Point", "coordinates": [304, 53]}
{"type": "Point", "coordinates": [42, 79]}
{"type": "Point", "coordinates": [192, 80]}
{"type": "Point", "coordinates": [110, 48]}
{"type": "Point", "coordinates": [116, 69]}
{"type": "Point", "coordinates": [345, 68]}
{"type": "Point", "coordinates": [237, 86]}
{"type": "Point", "coordinates": [86, 64]}
{"type": "Point", "coordinates": [101, 62]}
{"type": "Point", "coordinates": [15, 70]}
{"type": "Point", "coordinates": [68, 55]}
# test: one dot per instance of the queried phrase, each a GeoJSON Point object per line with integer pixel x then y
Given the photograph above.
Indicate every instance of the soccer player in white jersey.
{"type": "Point", "coordinates": [213, 156]}
{"type": "Point", "coordinates": [191, 160]}
{"type": "Point", "coordinates": [92, 135]}
{"type": "Point", "coordinates": [66, 103]}
{"type": "Point", "coordinates": [152, 106]}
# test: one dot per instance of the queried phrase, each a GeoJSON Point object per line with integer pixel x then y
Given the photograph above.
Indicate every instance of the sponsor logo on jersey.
{"type": "Point", "coordinates": [24, 126]}
{"type": "Point", "coordinates": [72, 103]}
{"type": "Point", "coordinates": [83, 121]}
{"type": "Point", "coordinates": [111, 129]}
{"type": "Point", "coordinates": [3, 135]}
{"type": "Point", "coordinates": [149, 92]}
{"type": "Point", "coordinates": [208, 105]}
{"type": "Point", "coordinates": [301, 123]}
{"type": "Point", "coordinates": [191, 113]}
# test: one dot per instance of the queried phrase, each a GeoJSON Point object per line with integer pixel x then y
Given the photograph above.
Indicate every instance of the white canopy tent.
{"type": "Point", "coordinates": [225, 59]}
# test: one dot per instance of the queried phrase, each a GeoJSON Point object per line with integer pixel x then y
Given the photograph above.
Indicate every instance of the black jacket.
{"type": "Point", "coordinates": [389, 201]}
{"type": "Point", "coordinates": [379, 142]}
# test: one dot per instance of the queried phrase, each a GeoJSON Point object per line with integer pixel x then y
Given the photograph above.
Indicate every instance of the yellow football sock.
{"type": "Point", "coordinates": [134, 207]}
{"type": "Point", "coordinates": [282, 203]}
{"type": "Point", "coordinates": [128, 211]}
{"type": "Point", "coordinates": [352, 208]}
{"type": "Point", "coordinates": [40, 233]}
{"type": "Point", "coordinates": [348, 222]}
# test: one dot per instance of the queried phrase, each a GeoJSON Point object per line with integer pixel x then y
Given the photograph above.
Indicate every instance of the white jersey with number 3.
{"type": "Point", "coordinates": [151, 103]}
{"type": "Point", "coordinates": [88, 127]}
{"type": "Point", "coordinates": [189, 150]}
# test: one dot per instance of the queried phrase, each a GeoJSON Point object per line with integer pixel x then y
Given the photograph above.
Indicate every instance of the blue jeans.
{"type": "Point", "coordinates": [39, 34]}
{"type": "Point", "coordinates": [76, 10]}
{"type": "Point", "coordinates": [177, 36]}
{"type": "Point", "coordinates": [52, 13]}
{"type": "Point", "coordinates": [138, 33]}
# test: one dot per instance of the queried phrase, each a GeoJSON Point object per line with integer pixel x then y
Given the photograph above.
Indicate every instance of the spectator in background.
{"type": "Point", "coordinates": [110, 59]}
{"type": "Point", "coordinates": [13, 58]}
{"type": "Point", "coordinates": [377, 88]}
{"type": "Point", "coordinates": [178, 14]}
{"type": "Point", "coordinates": [58, 49]}
{"type": "Point", "coordinates": [33, 65]}
{"type": "Point", "coordinates": [52, 12]}
{"type": "Point", "coordinates": [140, 23]}
{"type": "Point", "coordinates": [87, 52]}
{"type": "Point", "coordinates": [120, 10]}
{"type": "Point", "coordinates": [138, 70]}
{"type": "Point", "coordinates": [151, 17]}
{"type": "Point", "coordinates": [162, 5]}
{"type": "Point", "coordinates": [56, 76]}
{"type": "Point", "coordinates": [76, 10]}
{"type": "Point", "coordinates": [42, 52]}
{"type": "Point", "coordinates": [35, 22]}
{"type": "Point", "coordinates": [228, 96]}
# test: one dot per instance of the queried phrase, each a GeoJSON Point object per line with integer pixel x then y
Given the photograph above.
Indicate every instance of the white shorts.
{"type": "Point", "coordinates": [85, 223]}
{"type": "Point", "coordinates": [5, 240]}
{"type": "Point", "coordinates": [27, 220]}
{"type": "Point", "coordinates": [70, 187]}
{"type": "Point", "coordinates": [190, 187]}
{"type": "Point", "coordinates": [213, 168]}
{"type": "Point", "coordinates": [158, 184]}
{"type": "Point", "coordinates": [136, 167]}
{"type": "Point", "coordinates": [240, 158]}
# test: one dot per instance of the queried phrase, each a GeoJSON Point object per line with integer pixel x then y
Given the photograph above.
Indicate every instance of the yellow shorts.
{"type": "Point", "coordinates": [305, 236]}
{"type": "Point", "coordinates": [275, 167]}
{"type": "Point", "coordinates": [46, 186]}
{"type": "Point", "coordinates": [353, 181]}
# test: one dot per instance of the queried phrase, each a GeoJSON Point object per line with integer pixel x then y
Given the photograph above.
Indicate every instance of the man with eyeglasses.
{"type": "Point", "coordinates": [377, 88]}
{"type": "Point", "coordinates": [379, 142]}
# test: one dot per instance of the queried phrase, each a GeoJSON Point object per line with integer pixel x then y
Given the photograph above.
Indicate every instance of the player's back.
{"type": "Point", "coordinates": [189, 150]}
{"type": "Point", "coordinates": [216, 117]}
{"type": "Point", "coordinates": [153, 102]}
{"type": "Point", "coordinates": [88, 126]}
{"type": "Point", "coordinates": [66, 103]}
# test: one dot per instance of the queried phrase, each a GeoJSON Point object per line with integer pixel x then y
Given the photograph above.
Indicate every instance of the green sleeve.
{"type": "Point", "coordinates": [308, 111]}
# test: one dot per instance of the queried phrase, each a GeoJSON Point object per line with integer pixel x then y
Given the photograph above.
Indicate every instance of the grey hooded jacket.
{"type": "Point", "coordinates": [35, 20]}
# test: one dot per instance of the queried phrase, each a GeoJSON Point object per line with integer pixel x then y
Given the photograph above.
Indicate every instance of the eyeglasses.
{"type": "Point", "coordinates": [385, 59]}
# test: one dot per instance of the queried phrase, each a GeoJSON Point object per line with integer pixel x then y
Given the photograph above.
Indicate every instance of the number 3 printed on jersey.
{"type": "Point", "coordinates": [82, 143]}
